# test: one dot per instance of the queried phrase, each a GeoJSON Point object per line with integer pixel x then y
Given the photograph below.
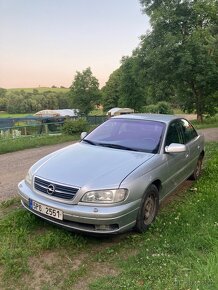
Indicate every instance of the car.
{"type": "Point", "coordinates": [115, 177]}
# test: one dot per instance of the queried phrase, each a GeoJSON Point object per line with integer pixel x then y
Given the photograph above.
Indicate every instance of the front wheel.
{"type": "Point", "coordinates": [197, 172]}
{"type": "Point", "coordinates": [148, 209]}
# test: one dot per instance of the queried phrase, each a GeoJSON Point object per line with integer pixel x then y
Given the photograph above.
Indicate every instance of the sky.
{"type": "Point", "coordinates": [45, 42]}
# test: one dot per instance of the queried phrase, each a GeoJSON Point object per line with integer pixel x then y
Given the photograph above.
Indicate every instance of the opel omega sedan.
{"type": "Point", "coordinates": [115, 177]}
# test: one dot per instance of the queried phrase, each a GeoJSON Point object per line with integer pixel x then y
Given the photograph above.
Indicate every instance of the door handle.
{"type": "Point", "coordinates": [187, 155]}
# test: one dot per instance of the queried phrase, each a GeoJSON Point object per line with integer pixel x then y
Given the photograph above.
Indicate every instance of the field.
{"type": "Point", "coordinates": [40, 89]}
{"type": "Point", "coordinates": [179, 251]}
{"type": "Point", "coordinates": [7, 115]}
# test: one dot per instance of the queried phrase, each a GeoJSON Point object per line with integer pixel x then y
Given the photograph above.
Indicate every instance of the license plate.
{"type": "Point", "coordinates": [47, 210]}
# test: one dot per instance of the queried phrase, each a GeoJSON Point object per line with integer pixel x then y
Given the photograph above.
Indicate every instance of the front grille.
{"type": "Point", "coordinates": [60, 191]}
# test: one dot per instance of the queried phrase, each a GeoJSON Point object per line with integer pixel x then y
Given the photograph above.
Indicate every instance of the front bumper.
{"type": "Point", "coordinates": [83, 217]}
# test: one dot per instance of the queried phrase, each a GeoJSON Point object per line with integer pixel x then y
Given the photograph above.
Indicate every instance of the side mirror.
{"type": "Point", "coordinates": [83, 135]}
{"type": "Point", "coordinates": [175, 148]}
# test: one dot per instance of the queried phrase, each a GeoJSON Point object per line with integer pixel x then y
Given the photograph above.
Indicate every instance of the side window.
{"type": "Point", "coordinates": [173, 134]}
{"type": "Point", "coordinates": [188, 131]}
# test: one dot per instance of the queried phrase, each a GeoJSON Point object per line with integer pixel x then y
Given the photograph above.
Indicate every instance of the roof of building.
{"type": "Point", "coordinates": [119, 110]}
{"type": "Point", "coordinates": [58, 113]}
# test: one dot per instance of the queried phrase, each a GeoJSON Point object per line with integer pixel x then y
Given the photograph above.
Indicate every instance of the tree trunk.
{"type": "Point", "coordinates": [199, 102]}
{"type": "Point", "coordinates": [199, 117]}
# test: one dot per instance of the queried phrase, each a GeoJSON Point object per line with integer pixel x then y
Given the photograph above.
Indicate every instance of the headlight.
{"type": "Point", "coordinates": [105, 196]}
{"type": "Point", "coordinates": [29, 177]}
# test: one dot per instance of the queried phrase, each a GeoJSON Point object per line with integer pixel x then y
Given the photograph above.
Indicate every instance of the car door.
{"type": "Point", "coordinates": [176, 162]}
{"type": "Point", "coordinates": [190, 138]}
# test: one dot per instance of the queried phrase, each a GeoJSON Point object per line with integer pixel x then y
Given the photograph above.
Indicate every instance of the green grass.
{"type": "Point", "coordinates": [210, 122]}
{"type": "Point", "coordinates": [11, 145]}
{"type": "Point", "coordinates": [7, 115]}
{"type": "Point", "coordinates": [97, 112]}
{"type": "Point", "coordinates": [179, 251]}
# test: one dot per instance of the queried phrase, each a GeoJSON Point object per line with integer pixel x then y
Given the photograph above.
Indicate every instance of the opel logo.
{"type": "Point", "coordinates": [50, 189]}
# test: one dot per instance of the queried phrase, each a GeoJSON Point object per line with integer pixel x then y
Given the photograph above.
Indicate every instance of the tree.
{"type": "Point", "coordinates": [3, 99]}
{"type": "Point", "coordinates": [111, 91]}
{"type": "Point", "coordinates": [181, 50]}
{"type": "Point", "coordinates": [131, 90]}
{"type": "Point", "coordinates": [85, 91]}
{"type": "Point", "coordinates": [2, 92]}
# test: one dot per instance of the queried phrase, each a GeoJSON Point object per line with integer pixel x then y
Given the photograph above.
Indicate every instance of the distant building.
{"type": "Point", "coordinates": [119, 111]}
{"type": "Point", "coordinates": [58, 113]}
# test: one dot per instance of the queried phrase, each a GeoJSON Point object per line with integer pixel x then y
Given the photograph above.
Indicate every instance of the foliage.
{"type": "Point", "coordinates": [159, 108]}
{"type": "Point", "coordinates": [180, 51]}
{"type": "Point", "coordinates": [177, 61]}
{"type": "Point", "coordinates": [33, 100]}
{"type": "Point", "coordinates": [85, 91]}
{"type": "Point", "coordinates": [131, 93]}
{"type": "Point", "coordinates": [72, 127]}
{"type": "Point", "coordinates": [111, 91]}
{"type": "Point", "coordinates": [40, 90]}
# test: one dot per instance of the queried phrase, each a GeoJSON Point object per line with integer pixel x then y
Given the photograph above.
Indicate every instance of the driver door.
{"type": "Point", "coordinates": [176, 162]}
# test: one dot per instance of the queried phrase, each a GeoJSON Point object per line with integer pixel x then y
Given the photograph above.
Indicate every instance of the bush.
{"type": "Point", "coordinates": [159, 108]}
{"type": "Point", "coordinates": [71, 127]}
{"type": "Point", "coordinates": [164, 108]}
{"type": "Point", "coordinates": [150, 109]}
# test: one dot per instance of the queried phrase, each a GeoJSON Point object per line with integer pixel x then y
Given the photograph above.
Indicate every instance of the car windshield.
{"type": "Point", "coordinates": [128, 134]}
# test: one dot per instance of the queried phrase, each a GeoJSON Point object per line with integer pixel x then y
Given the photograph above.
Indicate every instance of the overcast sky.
{"type": "Point", "coordinates": [44, 42]}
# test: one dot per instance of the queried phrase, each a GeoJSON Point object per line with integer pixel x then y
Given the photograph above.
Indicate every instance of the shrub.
{"type": "Point", "coordinates": [159, 108]}
{"type": "Point", "coordinates": [71, 127]}
{"type": "Point", "coordinates": [150, 109]}
{"type": "Point", "coordinates": [164, 108]}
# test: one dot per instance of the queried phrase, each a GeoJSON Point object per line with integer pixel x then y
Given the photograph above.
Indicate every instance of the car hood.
{"type": "Point", "coordinates": [91, 166]}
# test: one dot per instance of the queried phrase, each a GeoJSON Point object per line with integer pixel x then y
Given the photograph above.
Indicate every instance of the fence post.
{"type": "Point", "coordinates": [46, 129]}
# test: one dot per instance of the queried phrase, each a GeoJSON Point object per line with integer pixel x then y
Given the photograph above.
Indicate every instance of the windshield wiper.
{"type": "Point", "coordinates": [89, 142]}
{"type": "Point", "coordinates": [117, 146]}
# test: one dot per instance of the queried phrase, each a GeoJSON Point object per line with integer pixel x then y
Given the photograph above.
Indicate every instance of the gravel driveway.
{"type": "Point", "coordinates": [14, 166]}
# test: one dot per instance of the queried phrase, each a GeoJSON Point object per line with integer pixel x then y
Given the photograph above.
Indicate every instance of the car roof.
{"type": "Point", "coordinates": [150, 117]}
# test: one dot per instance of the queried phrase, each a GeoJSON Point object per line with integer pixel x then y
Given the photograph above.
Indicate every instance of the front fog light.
{"type": "Point", "coordinates": [106, 196]}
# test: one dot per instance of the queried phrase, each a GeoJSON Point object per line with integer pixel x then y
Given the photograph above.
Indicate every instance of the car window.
{"type": "Point", "coordinates": [173, 134]}
{"type": "Point", "coordinates": [188, 131]}
{"type": "Point", "coordinates": [138, 135]}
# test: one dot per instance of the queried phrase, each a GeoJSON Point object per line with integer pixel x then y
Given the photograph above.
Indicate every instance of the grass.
{"type": "Point", "coordinates": [7, 115]}
{"type": "Point", "coordinates": [179, 251]}
{"type": "Point", "coordinates": [11, 145]}
{"type": "Point", "coordinates": [210, 122]}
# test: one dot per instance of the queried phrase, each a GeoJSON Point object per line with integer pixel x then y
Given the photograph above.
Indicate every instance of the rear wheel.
{"type": "Point", "coordinates": [148, 209]}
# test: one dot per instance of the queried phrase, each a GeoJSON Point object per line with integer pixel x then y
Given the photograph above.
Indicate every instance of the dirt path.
{"type": "Point", "coordinates": [210, 134]}
{"type": "Point", "coordinates": [14, 166]}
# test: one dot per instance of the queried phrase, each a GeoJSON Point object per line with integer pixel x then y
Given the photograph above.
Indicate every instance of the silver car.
{"type": "Point", "coordinates": [115, 177]}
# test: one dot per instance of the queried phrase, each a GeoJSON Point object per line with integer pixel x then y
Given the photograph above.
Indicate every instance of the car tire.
{"type": "Point", "coordinates": [148, 209]}
{"type": "Point", "coordinates": [197, 172]}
